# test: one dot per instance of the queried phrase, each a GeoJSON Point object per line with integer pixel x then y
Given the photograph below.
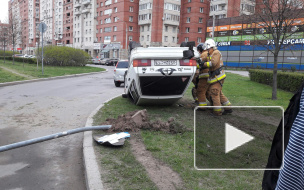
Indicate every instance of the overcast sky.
{"type": "Point", "coordinates": [4, 10]}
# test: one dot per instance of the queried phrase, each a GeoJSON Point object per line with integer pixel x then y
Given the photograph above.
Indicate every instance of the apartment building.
{"type": "Point", "coordinates": [116, 25]}
{"type": "Point", "coordinates": [231, 8]}
{"type": "Point", "coordinates": [46, 16]}
{"type": "Point", "coordinates": [84, 25]}
{"type": "Point", "coordinates": [193, 23]}
{"type": "Point", "coordinates": [67, 36]}
{"type": "Point", "coordinates": [33, 22]}
{"type": "Point", "coordinates": [58, 23]}
{"type": "Point", "coordinates": [158, 22]}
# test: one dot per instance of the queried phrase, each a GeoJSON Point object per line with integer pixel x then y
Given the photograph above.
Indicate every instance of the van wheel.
{"type": "Point", "coordinates": [117, 84]}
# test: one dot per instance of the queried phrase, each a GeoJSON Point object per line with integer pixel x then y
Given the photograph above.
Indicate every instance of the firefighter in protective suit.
{"type": "Point", "coordinates": [216, 78]}
{"type": "Point", "coordinates": [203, 84]}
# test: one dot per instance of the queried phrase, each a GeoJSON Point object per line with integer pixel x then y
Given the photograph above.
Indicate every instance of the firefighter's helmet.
{"type": "Point", "coordinates": [201, 47]}
{"type": "Point", "coordinates": [210, 43]}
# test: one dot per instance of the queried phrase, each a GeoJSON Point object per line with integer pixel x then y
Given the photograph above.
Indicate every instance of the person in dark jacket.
{"type": "Point", "coordinates": [275, 158]}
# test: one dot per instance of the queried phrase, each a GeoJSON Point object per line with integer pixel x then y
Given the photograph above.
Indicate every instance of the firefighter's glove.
{"type": "Point", "coordinates": [200, 64]}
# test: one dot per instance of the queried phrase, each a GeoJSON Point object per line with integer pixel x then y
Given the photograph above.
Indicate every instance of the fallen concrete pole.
{"type": "Point", "coordinates": [50, 137]}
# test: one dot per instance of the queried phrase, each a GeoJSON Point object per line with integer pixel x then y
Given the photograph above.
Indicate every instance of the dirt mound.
{"type": "Point", "coordinates": [136, 120]}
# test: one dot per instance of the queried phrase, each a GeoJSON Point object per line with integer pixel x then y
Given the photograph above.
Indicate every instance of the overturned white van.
{"type": "Point", "coordinates": [159, 75]}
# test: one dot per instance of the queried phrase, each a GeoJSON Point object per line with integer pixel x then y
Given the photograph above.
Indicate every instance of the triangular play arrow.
{"type": "Point", "coordinates": [235, 138]}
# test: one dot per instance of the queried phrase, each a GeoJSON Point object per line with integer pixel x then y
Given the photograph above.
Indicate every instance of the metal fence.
{"type": "Point", "coordinates": [258, 56]}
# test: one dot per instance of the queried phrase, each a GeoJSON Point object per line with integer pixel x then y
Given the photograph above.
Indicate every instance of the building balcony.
{"type": "Point", "coordinates": [170, 22]}
{"type": "Point", "coordinates": [86, 2]}
{"type": "Point", "coordinates": [85, 11]}
{"type": "Point", "coordinates": [143, 22]}
{"type": "Point", "coordinates": [77, 12]}
{"type": "Point", "coordinates": [77, 5]}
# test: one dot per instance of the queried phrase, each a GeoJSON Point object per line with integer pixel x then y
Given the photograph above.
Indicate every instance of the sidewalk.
{"type": "Point", "coordinates": [242, 73]}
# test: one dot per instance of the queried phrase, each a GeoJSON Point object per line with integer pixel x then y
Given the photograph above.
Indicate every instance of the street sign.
{"type": "Point", "coordinates": [42, 27]}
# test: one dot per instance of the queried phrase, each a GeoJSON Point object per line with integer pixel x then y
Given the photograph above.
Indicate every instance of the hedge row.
{"type": "Point", "coordinates": [288, 81]}
{"type": "Point", "coordinates": [7, 53]}
{"type": "Point", "coordinates": [20, 59]}
{"type": "Point", "coordinates": [64, 56]}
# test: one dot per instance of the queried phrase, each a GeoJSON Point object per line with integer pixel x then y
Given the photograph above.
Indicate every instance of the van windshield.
{"type": "Point", "coordinates": [123, 64]}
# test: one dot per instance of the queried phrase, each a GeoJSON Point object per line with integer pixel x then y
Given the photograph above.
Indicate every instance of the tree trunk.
{"type": "Point", "coordinates": [274, 79]}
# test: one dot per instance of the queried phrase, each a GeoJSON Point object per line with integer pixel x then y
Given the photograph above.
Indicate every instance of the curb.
{"type": "Point", "coordinates": [47, 79]}
{"type": "Point", "coordinates": [91, 168]}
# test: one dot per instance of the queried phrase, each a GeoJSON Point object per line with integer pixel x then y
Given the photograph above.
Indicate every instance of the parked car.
{"type": "Point", "coordinates": [103, 61]}
{"type": "Point", "coordinates": [159, 75]}
{"type": "Point", "coordinates": [119, 72]}
{"type": "Point", "coordinates": [18, 55]}
{"type": "Point", "coordinates": [32, 56]}
{"type": "Point", "coordinates": [112, 62]}
{"type": "Point", "coordinates": [96, 61]}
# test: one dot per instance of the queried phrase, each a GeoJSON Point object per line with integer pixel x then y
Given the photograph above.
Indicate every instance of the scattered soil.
{"type": "Point", "coordinates": [136, 120]}
{"type": "Point", "coordinates": [162, 175]}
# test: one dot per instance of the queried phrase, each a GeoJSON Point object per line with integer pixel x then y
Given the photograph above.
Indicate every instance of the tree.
{"type": "Point", "coordinates": [4, 38]}
{"type": "Point", "coordinates": [278, 19]}
{"type": "Point", "coordinates": [14, 32]}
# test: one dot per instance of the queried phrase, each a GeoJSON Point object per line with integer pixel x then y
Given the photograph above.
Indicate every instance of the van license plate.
{"type": "Point", "coordinates": [165, 62]}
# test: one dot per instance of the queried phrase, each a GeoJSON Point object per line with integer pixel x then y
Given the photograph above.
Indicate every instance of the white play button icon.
{"type": "Point", "coordinates": [235, 138]}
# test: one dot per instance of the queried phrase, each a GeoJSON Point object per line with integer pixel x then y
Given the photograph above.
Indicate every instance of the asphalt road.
{"type": "Point", "coordinates": [42, 108]}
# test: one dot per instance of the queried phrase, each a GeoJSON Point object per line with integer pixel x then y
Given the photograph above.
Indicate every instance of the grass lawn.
{"type": "Point", "coordinates": [177, 150]}
{"type": "Point", "coordinates": [6, 76]}
{"type": "Point", "coordinates": [49, 71]}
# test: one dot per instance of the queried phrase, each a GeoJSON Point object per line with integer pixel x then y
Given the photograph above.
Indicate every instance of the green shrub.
{"type": "Point", "coordinates": [20, 59]}
{"type": "Point", "coordinates": [7, 53]}
{"type": "Point", "coordinates": [293, 69]}
{"type": "Point", "coordinates": [63, 56]}
{"type": "Point", "coordinates": [286, 80]}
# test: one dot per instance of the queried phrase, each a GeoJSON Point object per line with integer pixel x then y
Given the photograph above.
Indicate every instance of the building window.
{"type": "Point", "coordinates": [186, 39]}
{"type": "Point", "coordinates": [148, 28]}
{"type": "Point", "coordinates": [115, 19]}
{"type": "Point", "coordinates": [131, 18]}
{"type": "Point", "coordinates": [148, 37]}
{"type": "Point", "coordinates": [199, 30]}
{"type": "Point", "coordinates": [114, 37]}
{"type": "Point", "coordinates": [115, 1]}
{"type": "Point", "coordinates": [115, 28]}
{"type": "Point", "coordinates": [213, 8]}
{"type": "Point", "coordinates": [202, 1]}
{"type": "Point", "coordinates": [131, 0]}
{"type": "Point", "coordinates": [201, 9]}
{"type": "Point", "coordinates": [174, 29]}
{"type": "Point", "coordinates": [100, 21]}
{"type": "Point", "coordinates": [166, 38]}
{"type": "Point", "coordinates": [188, 9]}
{"type": "Point", "coordinates": [130, 38]}
{"type": "Point", "coordinates": [199, 40]}
{"type": "Point", "coordinates": [100, 13]}
{"type": "Point", "coordinates": [189, 1]}
{"type": "Point", "coordinates": [131, 9]}
{"type": "Point", "coordinates": [101, 30]}
{"type": "Point", "coordinates": [142, 38]}
{"type": "Point", "coordinates": [130, 28]}
{"type": "Point", "coordinates": [143, 28]}
{"type": "Point", "coordinates": [200, 20]}
{"type": "Point", "coordinates": [188, 19]}
{"type": "Point", "coordinates": [173, 39]}
{"type": "Point", "coordinates": [187, 30]}
{"type": "Point", "coordinates": [101, 4]}
{"type": "Point", "coordinates": [166, 28]}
